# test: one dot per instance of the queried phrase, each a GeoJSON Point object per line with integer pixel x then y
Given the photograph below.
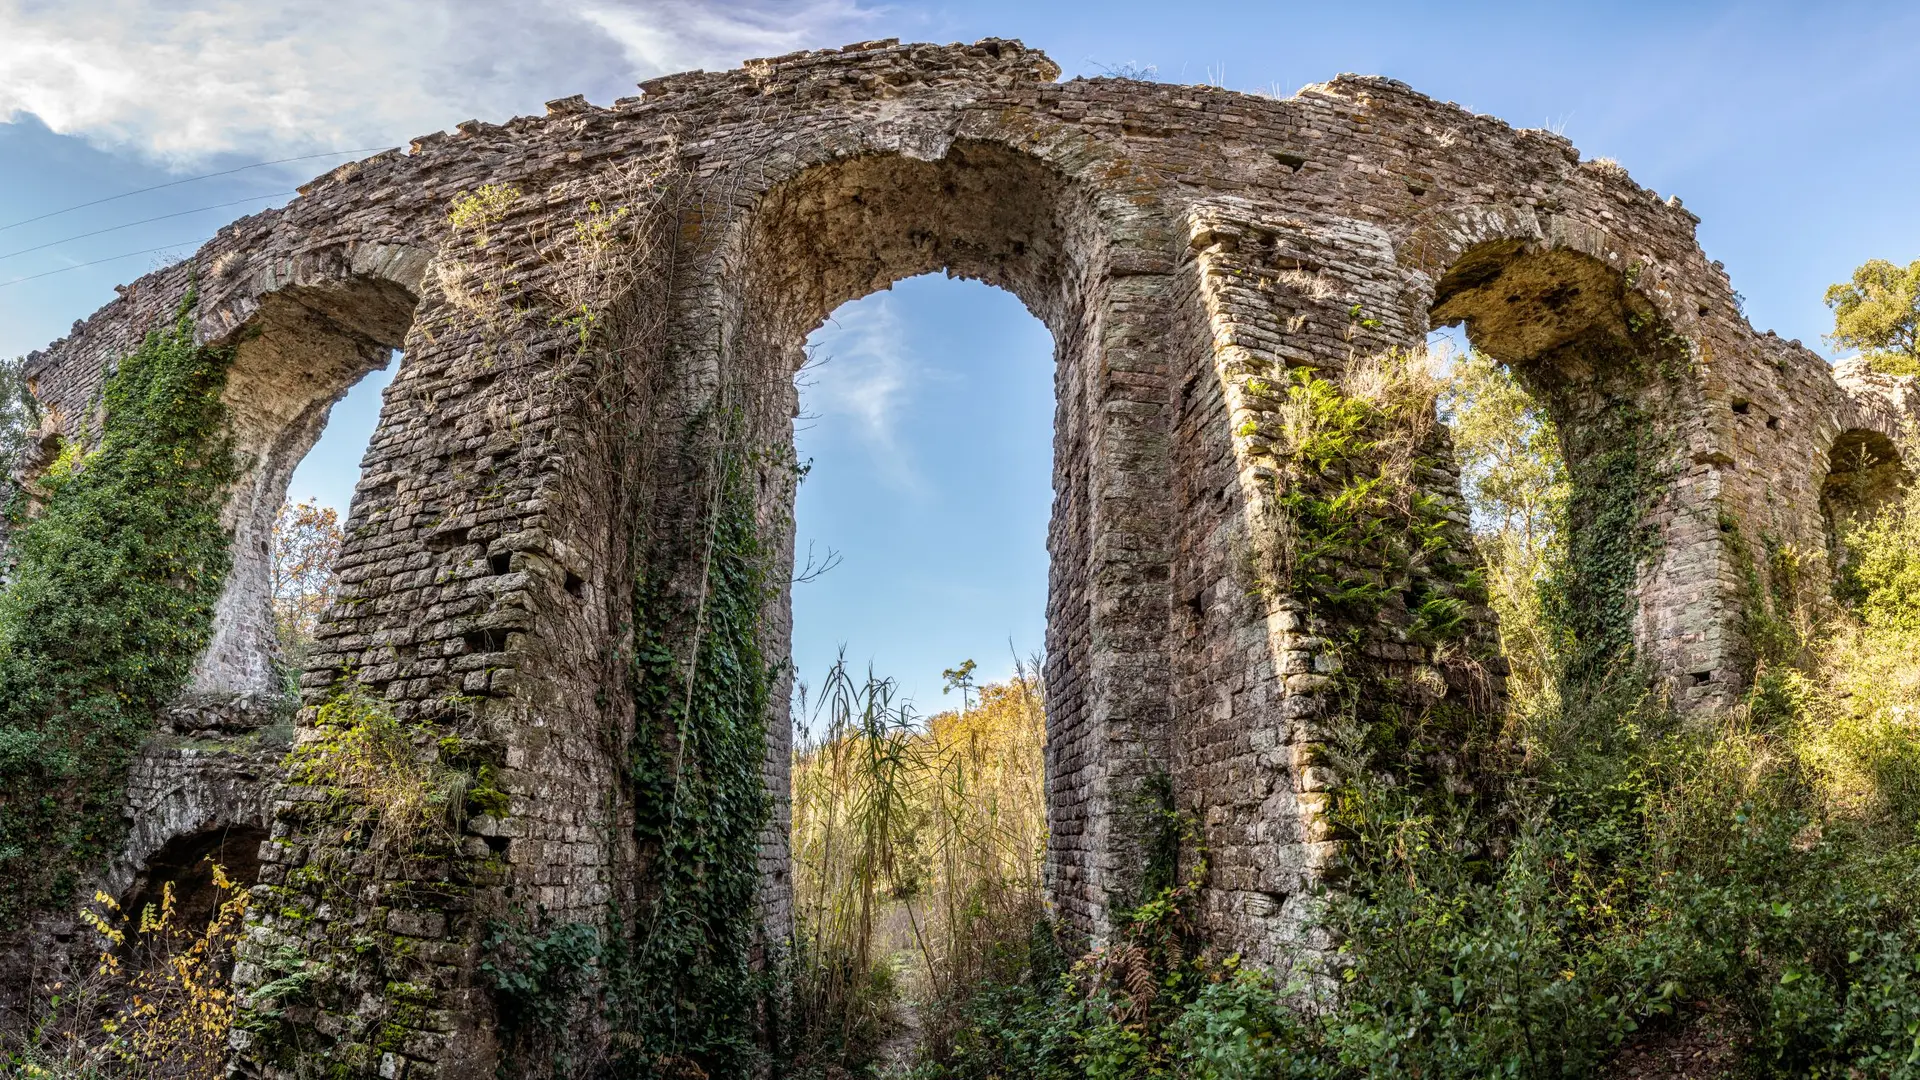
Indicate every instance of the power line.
{"type": "Point", "coordinates": [189, 180]}
{"type": "Point", "coordinates": [97, 262]}
{"type": "Point", "coordinates": [144, 221]}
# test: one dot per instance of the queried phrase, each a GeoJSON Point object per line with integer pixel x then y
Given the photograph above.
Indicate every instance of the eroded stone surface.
{"type": "Point", "coordinates": [1187, 246]}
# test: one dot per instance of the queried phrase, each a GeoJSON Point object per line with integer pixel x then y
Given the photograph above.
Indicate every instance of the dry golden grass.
{"type": "Point", "coordinates": [917, 850]}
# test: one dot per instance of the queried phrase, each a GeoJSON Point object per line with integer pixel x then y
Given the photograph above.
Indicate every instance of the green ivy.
{"type": "Point", "coordinates": [539, 978]}
{"type": "Point", "coordinates": [111, 599]}
{"type": "Point", "coordinates": [1617, 477]}
{"type": "Point", "coordinates": [687, 989]}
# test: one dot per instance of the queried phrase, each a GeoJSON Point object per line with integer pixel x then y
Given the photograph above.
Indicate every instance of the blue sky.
{"type": "Point", "coordinates": [1786, 127]}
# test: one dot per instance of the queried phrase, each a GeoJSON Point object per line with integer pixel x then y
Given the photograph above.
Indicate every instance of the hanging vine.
{"type": "Point", "coordinates": [690, 991]}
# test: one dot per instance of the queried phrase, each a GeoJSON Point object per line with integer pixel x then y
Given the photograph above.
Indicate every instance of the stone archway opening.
{"type": "Point", "coordinates": [186, 864]}
{"type": "Point", "coordinates": [302, 351]}
{"type": "Point", "coordinates": [843, 230]}
{"type": "Point", "coordinates": [172, 914]}
{"type": "Point", "coordinates": [1588, 346]}
{"type": "Point", "coordinates": [1864, 473]}
{"type": "Point", "coordinates": [926, 430]}
{"type": "Point", "coordinates": [1611, 375]}
{"type": "Point", "coordinates": [852, 227]}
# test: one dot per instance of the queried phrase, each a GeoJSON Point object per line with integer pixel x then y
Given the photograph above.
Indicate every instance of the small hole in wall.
{"type": "Point", "coordinates": [1742, 407]}
{"type": "Point", "coordinates": [497, 845]}
{"type": "Point", "coordinates": [485, 641]}
{"type": "Point", "coordinates": [1773, 422]}
{"type": "Point", "coordinates": [501, 562]}
{"type": "Point", "coordinates": [1703, 311]}
{"type": "Point", "coordinates": [1701, 678]}
{"type": "Point", "coordinates": [575, 586]}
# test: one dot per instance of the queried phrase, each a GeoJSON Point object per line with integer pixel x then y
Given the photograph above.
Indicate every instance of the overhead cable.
{"type": "Point", "coordinates": [113, 258]}
{"type": "Point", "coordinates": [144, 221]}
{"type": "Point", "coordinates": [189, 180]}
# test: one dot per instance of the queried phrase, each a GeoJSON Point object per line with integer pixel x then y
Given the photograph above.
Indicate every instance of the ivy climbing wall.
{"type": "Point", "coordinates": [533, 819]}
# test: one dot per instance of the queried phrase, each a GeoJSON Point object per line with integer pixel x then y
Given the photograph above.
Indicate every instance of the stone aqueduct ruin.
{"type": "Point", "coordinates": [566, 410]}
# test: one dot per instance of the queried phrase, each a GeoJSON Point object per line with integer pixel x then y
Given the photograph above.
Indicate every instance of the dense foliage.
{"type": "Point", "coordinates": [1517, 487]}
{"type": "Point", "coordinates": [1878, 312]}
{"type": "Point", "coordinates": [110, 600]}
{"type": "Point", "coordinates": [1753, 885]}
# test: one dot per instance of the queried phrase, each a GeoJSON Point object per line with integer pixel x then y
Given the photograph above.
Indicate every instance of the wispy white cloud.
{"type": "Point", "coordinates": [184, 80]}
{"type": "Point", "coordinates": [858, 381]}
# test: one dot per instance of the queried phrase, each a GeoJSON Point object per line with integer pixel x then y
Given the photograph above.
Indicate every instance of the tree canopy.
{"type": "Point", "coordinates": [1878, 312]}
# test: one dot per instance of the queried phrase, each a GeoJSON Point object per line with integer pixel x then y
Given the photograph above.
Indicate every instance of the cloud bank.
{"type": "Point", "coordinates": [184, 81]}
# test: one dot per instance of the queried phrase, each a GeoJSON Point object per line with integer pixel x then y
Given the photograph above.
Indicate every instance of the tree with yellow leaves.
{"type": "Point", "coordinates": [306, 545]}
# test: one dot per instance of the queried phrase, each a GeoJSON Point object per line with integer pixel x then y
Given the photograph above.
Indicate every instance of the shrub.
{"type": "Point", "coordinates": [157, 1003]}
{"type": "Point", "coordinates": [381, 775]}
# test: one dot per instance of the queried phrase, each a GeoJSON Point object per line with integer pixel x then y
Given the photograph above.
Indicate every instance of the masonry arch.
{"type": "Point", "coordinates": [300, 343]}
{"type": "Point", "coordinates": [186, 863]}
{"type": "Point", "coordinates": [1618, 382]}
{"type": "Point", "coordinates": [1864, 473]}
{"type": "Point", "coordinates": [843, 228]}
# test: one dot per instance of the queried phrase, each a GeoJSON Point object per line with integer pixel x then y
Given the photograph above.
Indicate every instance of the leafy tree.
{"type": "Point", "coordinates": [961, 679]}
{"type": "Point", "coordinates": [1516, 487]}
{"type": "Point", "coordinates": [306, 545]}
{"type": "Point", "coordinates": [19, 412]}
{"type": "Point", "coordinates": [1878, 312]}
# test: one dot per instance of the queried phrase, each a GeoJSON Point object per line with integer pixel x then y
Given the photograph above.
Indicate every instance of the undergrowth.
{"type": "Point", "coordinates": [917, 848]}
{"type": "Point", "coordinates": [1757, 877]}
{"type": "Point", "coordinates": [156, 1003]}
{"type": "Point", "coordinates": [384, 778]}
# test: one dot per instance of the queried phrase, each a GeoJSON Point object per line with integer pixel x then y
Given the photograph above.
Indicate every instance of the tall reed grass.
{"type": "Point", "coordinates": [917, 852]}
